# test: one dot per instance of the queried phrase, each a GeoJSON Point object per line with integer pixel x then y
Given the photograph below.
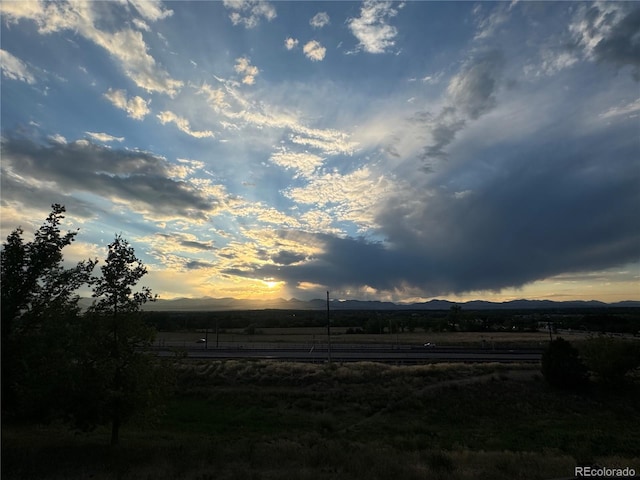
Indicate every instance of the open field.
{"type": "Point", "coordinates": [275, 420]}
{"type": "Point", "coordinates": [311, 335]}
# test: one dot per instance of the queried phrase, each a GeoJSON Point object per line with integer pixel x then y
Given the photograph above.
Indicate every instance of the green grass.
{"type": "Point", "coordinates": [272, 420]}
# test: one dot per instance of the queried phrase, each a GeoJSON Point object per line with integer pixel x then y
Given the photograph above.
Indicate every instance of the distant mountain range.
{"type": "Point", "coordinates": [219, 304]}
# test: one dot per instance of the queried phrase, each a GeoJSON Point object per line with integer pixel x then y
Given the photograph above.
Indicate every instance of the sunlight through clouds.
{"type": "Point", "coordinates": [384, 150]}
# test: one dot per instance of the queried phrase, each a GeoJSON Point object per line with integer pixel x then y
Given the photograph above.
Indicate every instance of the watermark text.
{"type": "Point", "coordinates": [604, 472]}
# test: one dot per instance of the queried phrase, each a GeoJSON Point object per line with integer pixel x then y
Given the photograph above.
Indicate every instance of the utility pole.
{"type": "Point", "coordinates": [328, 330]}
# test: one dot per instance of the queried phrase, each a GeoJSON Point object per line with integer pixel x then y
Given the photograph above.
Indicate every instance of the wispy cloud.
{"type": "Point", "coordinates": [15, 69]}
{"type": "Point", "coordinates": [473, 89]}
{"type": "Point", "coordinates": [488, 25]}
{"type": "Point", "coordinates": [241, 112]}
{"type": "Point", "coordinates": [629, 109]}
{"type": "Point", "coordinates": [126, 46]}
{"type": "Point", "coordinates": [136, 107]}
{"type": "Point", "coordinates": [249, 12]}
{"type": "Point", "coordinates": [151, 10]}
{"type": "Point", "coordinates": [608, 32]}
{"type": "Point", "coordinates": [372, 29]}
{"type": "Point", "coordinates": [319, 20]}
{"type": "Point", "coordinates": [182, 124]}
{"type": "Point", "coordinates": [246, 70]}
{"type": "Point", "coordinates": [104, 137]}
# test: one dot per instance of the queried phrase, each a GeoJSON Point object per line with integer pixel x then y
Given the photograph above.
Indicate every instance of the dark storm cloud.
{"type": "Point", "coordinates": [187, 243]}
{"type": "Point", "coordinates": [622, 45]}
{"type": "Point", "coordinates": [563, 206]}
{"type": "Point", "coordinates": [473, 89]}
{"type": "Point", "coordinates": [285, 257]}
{"type": "Point", "coordinates": [197, 265]}
{"type": "Point", "coordinates": [137, 177]}
{"type": "Point", "coordinates": [196, 245]}
{"type": "Point", "coordinates": [471, 94]}
{"type": "Point", "coordinates": [26, 194]}
{"type": "Point", "coordinates": [442, 128]}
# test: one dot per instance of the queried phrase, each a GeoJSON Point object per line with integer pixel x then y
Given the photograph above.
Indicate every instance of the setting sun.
{"type": "Point", "coordinates": [273, 284]}
{"type": "Point", "coordinates": [380, 150]}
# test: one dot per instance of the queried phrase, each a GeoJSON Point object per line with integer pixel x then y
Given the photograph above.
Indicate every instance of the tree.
{"type": "Point", "coordinates": [562, 367]}
{"type": "Point", "coordinates": [38, 306]}
{"type": "Point", "coordinates": [122, 377]}
{"type": "Point", "coordinates": [453, 318]}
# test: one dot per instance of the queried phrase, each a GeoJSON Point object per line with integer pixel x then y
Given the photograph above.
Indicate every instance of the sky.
{"type": "Point", "coordinates": [395, 151]}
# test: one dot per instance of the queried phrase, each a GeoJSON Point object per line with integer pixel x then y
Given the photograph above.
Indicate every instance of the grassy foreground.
{"type": "Point", "coordinates": [271, 420]}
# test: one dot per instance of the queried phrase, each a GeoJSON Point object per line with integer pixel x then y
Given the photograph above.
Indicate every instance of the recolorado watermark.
{"type": "Point", "coordinates": [604, 472]}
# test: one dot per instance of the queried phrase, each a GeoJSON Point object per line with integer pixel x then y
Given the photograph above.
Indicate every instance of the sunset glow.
{"type": "Point", "coordinates": [393, 151]}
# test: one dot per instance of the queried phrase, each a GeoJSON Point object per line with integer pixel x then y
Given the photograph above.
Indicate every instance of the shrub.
{"type": "Point", "coordinates": [562, 366]}
{"type": "Point", "coordinates": [610, 359]}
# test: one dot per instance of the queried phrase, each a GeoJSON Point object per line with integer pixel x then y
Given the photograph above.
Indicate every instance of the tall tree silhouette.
{"type": "Point", "coordinates": [116, 354]}
{"type": "Point", "coordinates": [38, 303]}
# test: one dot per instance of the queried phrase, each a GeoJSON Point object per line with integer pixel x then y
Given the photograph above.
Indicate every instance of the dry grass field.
{"type": "Point", "coordinates": [240, 419]}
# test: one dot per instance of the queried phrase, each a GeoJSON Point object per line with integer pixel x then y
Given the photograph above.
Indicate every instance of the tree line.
{"type": "Point", "coordinates": [59, 363]}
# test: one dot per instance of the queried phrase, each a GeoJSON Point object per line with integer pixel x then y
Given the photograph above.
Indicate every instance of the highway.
{"type": "Point", "coordinates": [396, 354]}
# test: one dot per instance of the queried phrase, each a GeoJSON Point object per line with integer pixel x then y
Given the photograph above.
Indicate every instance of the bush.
{"type": "Point", "coordinates": [610, 359]}
{"type": "Point", "coordinates": [562, 366]}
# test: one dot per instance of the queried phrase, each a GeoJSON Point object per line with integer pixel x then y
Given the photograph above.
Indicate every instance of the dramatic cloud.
{"type": "Point", "coordinates": [290, 43]}
{"type": "Point", "coordinates": [442, 129]}
{"type": "Point", "coordinates": [249, 72]}
{"type": "Point", "coordinates": [514, 240]}
{"type": "Point", "coordinates": [371, 29]}
{"type": "Point", "coordinates": [470, 94]}
{"type": "Point", "coordinates": [314, 51]}
{"type": "Point", "coordinates": [477, 158]}
{"type": "Point", "coordinates": [473, 89]}
{"type": "Point", "coordinates": [14, 68]}
{"type": "Point", "coordinates": [182, 124]}
{"type": "Point", "coordinates": [319, 20]}
{"type": "Point", "coordinates": [351, 197]}
{"type": "Point", "coordinates": [126, 46]}
{"type": "Point", "coordinates": [139, 179]}
{"type": "Point", "coordinates": [249, 12]}
{"type": "Point", "coordinates": [609, 32]}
